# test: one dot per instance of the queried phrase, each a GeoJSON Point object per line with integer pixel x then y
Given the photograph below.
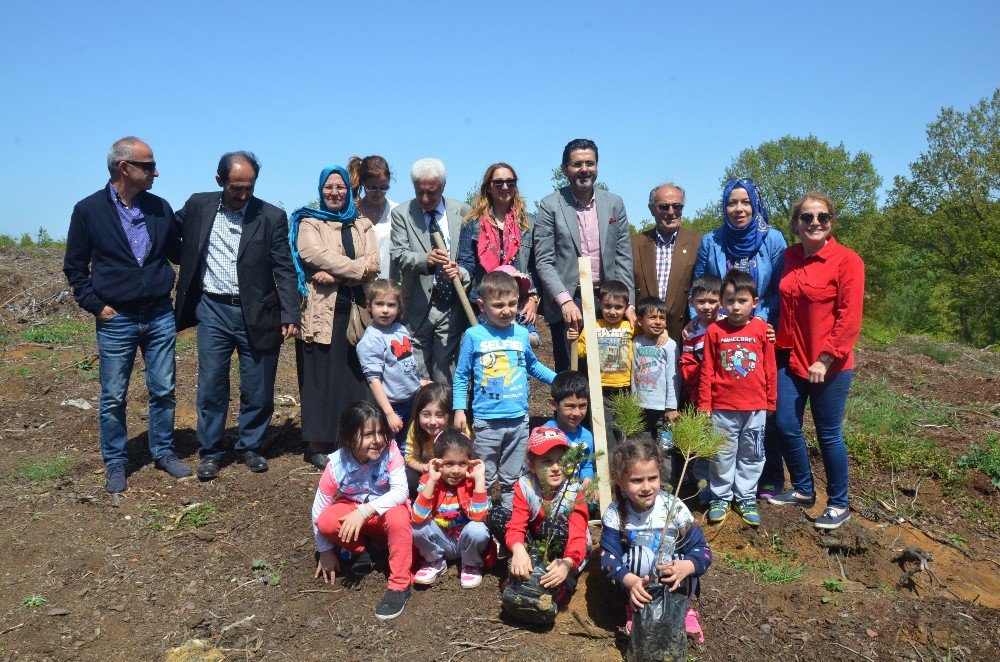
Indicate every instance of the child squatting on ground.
{"type": "Point", "coordinates": [629, 548]}
{"type": "Point", "coordinates": [543, 485]}
{"type": "Point", "coordinates": [495, 360]}
{"type": "Point", "coordinates": [449, 512]}
{"type": "Point", "coordinates": [362, 492]}
{"type": "Point", "coordinates": [738, 386]}
{"type": "Point", "coordinates": [432, 415]}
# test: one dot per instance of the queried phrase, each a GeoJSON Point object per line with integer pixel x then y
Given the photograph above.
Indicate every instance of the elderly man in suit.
{"type": "Point", "coordinates": [436, 320]}
{"type": "Point", "coordinates": [579, 220]}
{"type": "Point", "coordinates": [665, 255]}
{"type": "Point", "coordinates": [117, 250]}
{"type": "Point", "coordinates": [238, 285]}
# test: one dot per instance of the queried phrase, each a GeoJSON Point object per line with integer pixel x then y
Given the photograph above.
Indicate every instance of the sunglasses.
{"type": "Point", "coordinates": [383, 187]}
{"type": "Point", "coordinates": [148, 167]}
{"type": "Point", "coordinates": [822, 217]}
{"type": "Point", "coordinates": [678, 207]}
{"type": "Point", "coordinates": [501, 183]}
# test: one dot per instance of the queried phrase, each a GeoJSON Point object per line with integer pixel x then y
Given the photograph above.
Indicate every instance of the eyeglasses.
{"type": "Point", "coordinates": [678, 207]}
{"type": "Point", "coordinates": [823, 217]}
{"type": "Point", "coordinates": [148, 167]}
{"type": "Point", "coordinates": [383, 187]}
{"type": "Point", "coordinates": [580, 164]}
{"type": "Point", "coordinates": [336, 188]}
{"type": "Point", "coordinates": [501, 183]}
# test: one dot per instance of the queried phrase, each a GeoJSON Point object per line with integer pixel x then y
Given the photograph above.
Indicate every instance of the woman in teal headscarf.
{"type": "Point", "coordinates": [335, 253]}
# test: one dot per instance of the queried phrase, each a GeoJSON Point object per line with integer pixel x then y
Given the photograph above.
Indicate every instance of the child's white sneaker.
{"type": "Point", "coordinates": [429, 572]}
{"type": "Point", "coordinates": [472, 576]}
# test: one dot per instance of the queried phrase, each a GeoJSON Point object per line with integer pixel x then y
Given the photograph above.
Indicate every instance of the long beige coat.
{"type": "Point", "coordinates": [321, 249]}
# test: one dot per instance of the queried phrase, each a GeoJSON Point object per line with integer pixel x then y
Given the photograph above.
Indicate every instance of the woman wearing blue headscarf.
{"type": "Point", "coordinates": [746, 241]}
{"type": "Point", "coordinates": [335, 252]}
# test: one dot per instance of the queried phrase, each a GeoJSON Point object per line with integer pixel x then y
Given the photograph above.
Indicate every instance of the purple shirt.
{"type": "Point", "coordinates": [134, 224]}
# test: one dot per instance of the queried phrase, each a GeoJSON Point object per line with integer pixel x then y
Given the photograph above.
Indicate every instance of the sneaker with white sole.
{"type": "Point", "coordinates": [792, 498]}
{"type": "Point", "coordinates": [830, 519]}
{"type": "Point", "coordinates": [472, 576]}
{"type": "Point", "coordinates": [429, 572]}
{"type": "Point", "coordinates": [393, 603]}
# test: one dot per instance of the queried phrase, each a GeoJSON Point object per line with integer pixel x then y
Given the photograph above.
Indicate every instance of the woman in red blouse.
{"type": "Point", "coordinates": [821, 293]}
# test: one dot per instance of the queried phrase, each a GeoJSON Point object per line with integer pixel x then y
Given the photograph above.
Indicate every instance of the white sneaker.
{"type": "Point", "coordinates": [429, 572]}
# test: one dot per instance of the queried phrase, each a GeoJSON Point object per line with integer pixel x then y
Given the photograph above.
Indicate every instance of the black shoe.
{"type": "Point", "coordinates": [256, 461]}
{"type": "Point", "coordinates": [392, 604]}
{"type": "Point", "coordinates": [317, 459]}
{"type": "Point", "coordinates": [361, 565]}
{"type": "Point", "coordinates": [208, 468]}
{"type": "Point", "coordinates": [114, 479]}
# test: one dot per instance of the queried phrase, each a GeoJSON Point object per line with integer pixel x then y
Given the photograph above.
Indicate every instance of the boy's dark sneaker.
{"type": "Point", "coordinates": [792, 498]}
{"type": "Point", "coordinates": [114, 479]}
{"type": "Point", "coordinates": [392, 604]}
{"type": "Point", "coordinates": [717, 510]}
{"type": "Point", "coordinates": [830, 520]}
{"type": "Point", "coordinates": [361, 564]}
{"type": "Point", "coordinates": [747, 508]}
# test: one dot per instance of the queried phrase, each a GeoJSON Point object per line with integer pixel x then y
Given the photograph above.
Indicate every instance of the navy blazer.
{"type": "Point", "coordinates": [100, 265]}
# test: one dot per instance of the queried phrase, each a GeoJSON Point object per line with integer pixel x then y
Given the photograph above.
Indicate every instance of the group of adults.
{"type": "Point", "coordinates": [250, 279]}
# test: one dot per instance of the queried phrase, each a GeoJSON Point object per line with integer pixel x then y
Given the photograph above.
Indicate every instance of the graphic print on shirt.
{"type": "Point", "coordinates": [402, 350]}
{"type": "Point", "coordinates": [613, 346]}
{"type": "Point", "coordinates": [501, 361]}
{"type": "Point", "coordinates": [649, 367]}
{"type": "Point", "coordinates": [738, 355]}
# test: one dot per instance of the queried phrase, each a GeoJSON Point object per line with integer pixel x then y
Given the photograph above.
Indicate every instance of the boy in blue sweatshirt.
{"type": "Point", "coordinates": [497, 358]}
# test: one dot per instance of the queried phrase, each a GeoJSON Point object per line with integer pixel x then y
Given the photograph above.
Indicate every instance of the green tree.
{"type": "Point", "coordinates": [26, 241]}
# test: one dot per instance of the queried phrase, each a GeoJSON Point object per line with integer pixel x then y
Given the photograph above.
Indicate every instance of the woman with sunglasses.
{"type": "Point", "coordinates": [372, 174]}
{"type": "Point", "coordinates": [498, 232]}
{"type": "Point", "coordinates": [821, 294]}
{"type": "Point", "coordinates": [746, 241]}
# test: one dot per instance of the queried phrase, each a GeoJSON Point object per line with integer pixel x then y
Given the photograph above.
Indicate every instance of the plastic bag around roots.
{"type": "Point", "coordinates": [528, 601]}
{"type": "Point", "coordinates": [658, 631]}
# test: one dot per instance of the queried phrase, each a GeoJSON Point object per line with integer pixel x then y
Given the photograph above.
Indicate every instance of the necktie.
{"type": "Point", "coordinates": [442, 293]}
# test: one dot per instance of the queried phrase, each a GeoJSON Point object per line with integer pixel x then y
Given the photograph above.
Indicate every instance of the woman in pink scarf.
{"type": "Point", "coordinates": [498, 232]}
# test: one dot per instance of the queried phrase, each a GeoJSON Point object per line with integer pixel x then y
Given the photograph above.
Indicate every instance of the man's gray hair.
{"type": "Point", "coordinates": [429, 169]}
{"type": "Point", "coordinates": [665, 185]}
{"type": "Point", "coordinates": [121, 151]}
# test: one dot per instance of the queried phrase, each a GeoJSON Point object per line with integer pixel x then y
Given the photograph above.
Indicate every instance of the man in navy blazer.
{"type": "Point", "coordinates": [238, 285]}
{"type": "Point", "coordinates": [117, 250]}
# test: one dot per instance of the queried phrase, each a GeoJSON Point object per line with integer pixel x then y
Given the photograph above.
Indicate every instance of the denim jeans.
{"type": "Point", "coordinates": [222, 330]}
{"type": "Point", "coordinates": [826, 401]}
{"type": "Point", "coordinates": [152, 332]}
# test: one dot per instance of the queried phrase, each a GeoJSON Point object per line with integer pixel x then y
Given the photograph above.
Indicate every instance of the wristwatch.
{"type": "Point", "coordinates": [825, 359]}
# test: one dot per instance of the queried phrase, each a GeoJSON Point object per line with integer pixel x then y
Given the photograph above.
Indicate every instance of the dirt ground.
{"type": "Point", "coordinates": [134, 578]}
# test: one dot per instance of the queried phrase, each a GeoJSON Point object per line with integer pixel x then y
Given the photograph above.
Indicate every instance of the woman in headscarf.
{"type": "Point", "coordinates": [746, 241]}
{"type": "Point", "coordinates": [498, 232]}
{"type": "Point", "coordinates": [335, 252]}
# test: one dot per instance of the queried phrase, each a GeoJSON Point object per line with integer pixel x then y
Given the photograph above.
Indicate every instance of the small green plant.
{"type": "Point", "coordinates": [23, 371]}
{"type": "Point", "coordinates": [197, 516]}
{"type": "Point", "coordinates": [630, 417]}
{"type": "Point", "coordinates": [157, 520]}
{"type": "Point", "coordinates": [39, 470]}
{"type": "Point", "coordinates": [781, 549]}
{"type": "Point", "coordinates": [33, 601]}
{"type": "Point", "coordinates": [62, 333]}
{"type": "Point", "coordinates": [766, 570]}
{"type": "Point", "coordinates": [956, 539]}
{"type": "Point", "coordinates": [555, 505]}
{"type": "Point", "coordinates": [834, 584]}
{"type": "Point", "coordinates": [986, 459]}
{"type": "Point", "coordinates": [270, 573]}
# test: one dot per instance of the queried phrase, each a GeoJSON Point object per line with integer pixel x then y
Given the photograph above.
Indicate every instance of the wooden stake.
{"type": "Point", "coordinates": [594, 380]}
{"type": "Point", "coordinates": [457, 282]}
{"type": "Point", "coordinates": [574, 356]}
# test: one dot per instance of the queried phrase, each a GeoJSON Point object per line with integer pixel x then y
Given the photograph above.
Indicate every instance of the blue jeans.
{"type": "Point", "coordinates": [153, 332]}
{"type": "Point", "coordinates": [826, 401]}
{"type": "Point", "coordinates": [221, 330]}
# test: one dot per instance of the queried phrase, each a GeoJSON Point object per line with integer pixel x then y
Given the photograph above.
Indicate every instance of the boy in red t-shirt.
{"type": "Point", "coordinates": [738, 385]}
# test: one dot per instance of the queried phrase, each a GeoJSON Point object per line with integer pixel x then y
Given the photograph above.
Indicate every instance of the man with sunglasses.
{"type": "Point", "coordinates": [664, 257]}
{"type": "Point", "coordinates": [118, 251]}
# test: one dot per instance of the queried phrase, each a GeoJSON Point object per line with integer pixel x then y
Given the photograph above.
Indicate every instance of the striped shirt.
{"type": "Point", "coordinates": [134, 224]}
{"type": "Point", "coordinates": [223, 245]}
{"type": "Point", "coordinates": [664, 258]}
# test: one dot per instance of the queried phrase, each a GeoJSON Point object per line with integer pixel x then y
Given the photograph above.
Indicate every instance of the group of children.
{"type": "Point", "coordinates": [471, 493]}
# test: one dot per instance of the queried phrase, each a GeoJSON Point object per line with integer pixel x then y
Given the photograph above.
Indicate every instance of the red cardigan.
{"type": "Point", "coordinates": [821, 302]}
{"type": "Point", "coordinates": [738, 372]}
{"type": "Point", "coordinates": [517, 527]}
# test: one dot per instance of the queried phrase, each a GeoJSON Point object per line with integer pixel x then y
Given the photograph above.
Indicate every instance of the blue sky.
{"type": "Point", "coordinates": [667, 90]}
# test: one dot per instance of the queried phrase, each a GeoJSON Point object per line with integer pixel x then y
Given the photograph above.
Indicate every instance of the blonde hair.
{"type": "Point", "coordinates": [483, 203]}
{"type": "Point", "coordinates": [382, 286]}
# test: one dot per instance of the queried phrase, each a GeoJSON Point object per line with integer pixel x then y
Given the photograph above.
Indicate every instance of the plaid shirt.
{"type": "Point", "coordinates": [134, 223]}
{"type": "Point", "coordinates": [664, 258]}
{"type": "Point", "coordinates": [220, 259]}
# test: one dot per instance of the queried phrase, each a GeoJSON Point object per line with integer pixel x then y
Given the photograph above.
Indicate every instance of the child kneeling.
{"type": "Point", "coordinates": [449, 511]}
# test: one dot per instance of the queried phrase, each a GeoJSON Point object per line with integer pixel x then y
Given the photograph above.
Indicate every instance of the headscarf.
{"type": "Point", "coordinates": [741, 244]}
{"type": "Point", "coordinates": [345, 215]}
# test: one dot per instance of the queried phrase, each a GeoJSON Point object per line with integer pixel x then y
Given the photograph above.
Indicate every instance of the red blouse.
{"type": "Point", "coordinates": [821, 303]}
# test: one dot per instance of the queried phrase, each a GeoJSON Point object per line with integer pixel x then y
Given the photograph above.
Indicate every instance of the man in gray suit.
{"type": "Point", "coordinates": [435, 319]}
{"type": "Point", "coordinates": [579, 220]}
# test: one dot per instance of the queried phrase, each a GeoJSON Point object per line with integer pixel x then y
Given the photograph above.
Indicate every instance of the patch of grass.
{"type": "Point", "coordinates": [929, 348]}
{"type": "Point", "coordinates": [60, 333]}
{"type": "Point", "coordinates": [768, 571]}
{"type": "Point", "coordinates": [39, 470]}
{"type": "Point", "coordinates": [33, 601]}
{"type": "Point", "coordinates": [985, 459]}
{"type": "Point", "coordinates": [270, 572]}
{"type": "Point", "coordinates": [197, 516]}
{"type": "Point", "coordinates": [878, 333]}
{"type": "Point", "coordinates": [186, 344]}
{"type": "Point", "coordinates": [880, 429]}
{"type": "Point", "coordinates": [23, 371]}
{"type": "Point", "coordinates": [834, 584]}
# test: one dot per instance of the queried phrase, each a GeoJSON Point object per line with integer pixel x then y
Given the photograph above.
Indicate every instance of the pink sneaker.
{"type": "Point", "coordinates": [692, 625]}
{"type": "Point", "coordinates": [472, 576]}
{"type": "Point", "coordinates": [429, 572]}
{"type": "Point", "coordinates": [629, 615]}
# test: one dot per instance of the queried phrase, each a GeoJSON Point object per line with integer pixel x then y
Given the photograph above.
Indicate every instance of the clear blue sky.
{"type": "Point", "coordinates": [668, 91]}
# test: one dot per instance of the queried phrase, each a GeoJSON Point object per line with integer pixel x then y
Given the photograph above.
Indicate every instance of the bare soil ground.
{"type": "Point", "coordinates": [136, 578]}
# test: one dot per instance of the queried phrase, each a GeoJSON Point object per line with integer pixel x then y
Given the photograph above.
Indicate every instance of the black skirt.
{"type": "Point", "coordinates": [330, 378]}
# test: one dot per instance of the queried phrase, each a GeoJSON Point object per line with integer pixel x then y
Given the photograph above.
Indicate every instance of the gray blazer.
{"type": "Point", "coordinates": [410, 245]}
{"type": "Point", "coordinates": [557, 246]}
